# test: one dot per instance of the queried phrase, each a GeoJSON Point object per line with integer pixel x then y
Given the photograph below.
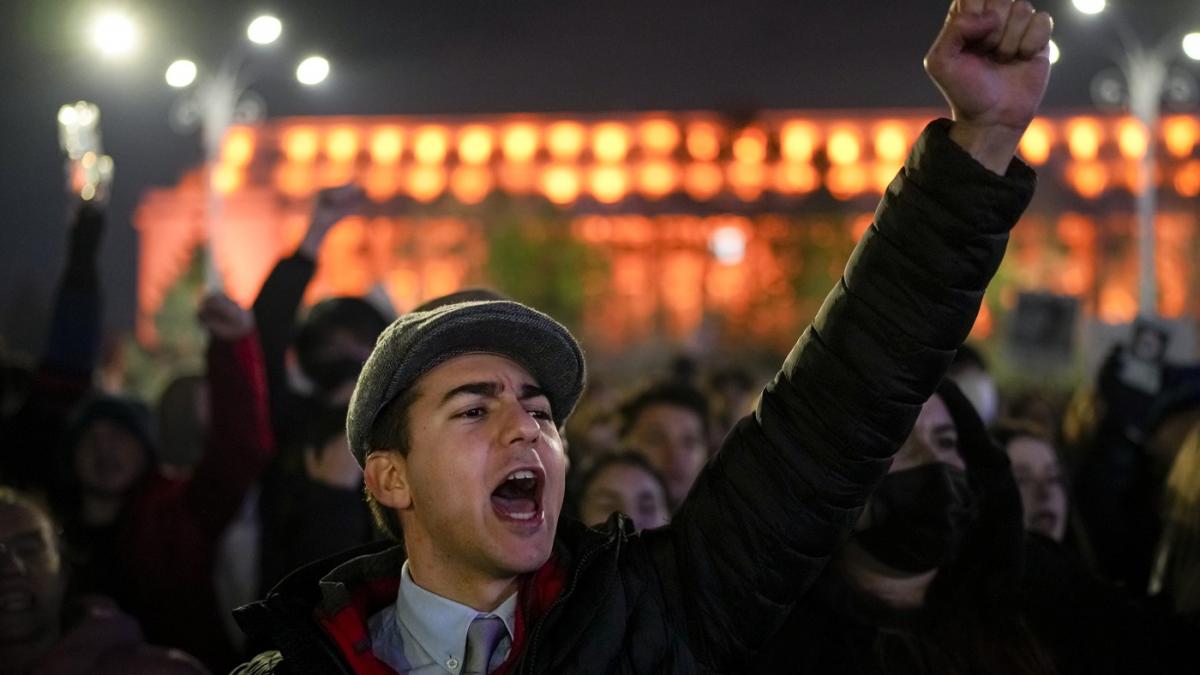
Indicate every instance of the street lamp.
{"type": "Point", "coordinates": [1143, 80]}
{"type": "Point", "coordinates": [114, 34]}
{"type": "Point", "coordinates": [221, 98]}
{"type": "Point", "coordinates": [312, 70]}
{"type": "Point", "coordinates": [264, 30]}
{"type": "Point", "coordinates": [181, 73]}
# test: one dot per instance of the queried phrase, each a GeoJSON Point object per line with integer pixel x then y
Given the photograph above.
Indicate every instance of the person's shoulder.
{"type": "Point", "coordinates": [266, 663]}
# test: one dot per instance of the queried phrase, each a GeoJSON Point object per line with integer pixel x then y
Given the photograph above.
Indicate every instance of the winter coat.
{"type": "Point", "coordinates": [705, 593]}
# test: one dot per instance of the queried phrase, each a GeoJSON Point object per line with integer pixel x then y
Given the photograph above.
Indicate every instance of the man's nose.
{"type": "Point", "coordinates": [519, 426]}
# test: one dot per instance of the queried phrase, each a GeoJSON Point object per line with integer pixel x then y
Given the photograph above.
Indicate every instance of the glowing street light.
{"type": "Point", "coordinates": [1090, 6]}
{"type": "Point", "coordinates": [1055, 54]}
{"type": "Point", "coordinates": [181, 73]}
{"type": "Point", "coordinates": [264, 30]}
{"type": "Point", "coordinates": [1191, 46]}
{"type": "Point", "coordinates": [312, 70]}
{"type": "Point", "coordinates": [114, 34]}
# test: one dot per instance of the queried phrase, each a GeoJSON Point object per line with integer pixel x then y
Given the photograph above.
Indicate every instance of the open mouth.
{"type": "Point", "coordinates": [1045, 520]}
{"type": "Point", "coordinates": [519, 497]}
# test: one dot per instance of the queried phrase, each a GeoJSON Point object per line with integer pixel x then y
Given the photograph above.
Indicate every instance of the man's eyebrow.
{"type": "Point", "coordinates": [943, 428]}
{"type": "Point", "coordinates": [485, 389]}
{"type": "Point", "coordinates": [492, 390]}
{"type": "Point", "coordinates": [529, 391]}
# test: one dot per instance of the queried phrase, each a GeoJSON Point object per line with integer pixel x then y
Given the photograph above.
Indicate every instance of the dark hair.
{"type": "Point", "coordinates": [669, 392]}
{"type": "Point", "coordinates": [1008, 430]}
{"type": "Point", "coordinates": [390, 434]}
{"type": "Point", "coordinates": [324, 422]}
{"type": "Point", "coordinates": [130, 414]}
{"type": "Point", "coordinates": [609, 460]}
{"type": "Point", "coordinates": [354, 315]}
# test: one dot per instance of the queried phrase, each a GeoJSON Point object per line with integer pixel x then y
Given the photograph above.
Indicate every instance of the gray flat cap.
{"type": "Point", "coordinates": [417, 342]}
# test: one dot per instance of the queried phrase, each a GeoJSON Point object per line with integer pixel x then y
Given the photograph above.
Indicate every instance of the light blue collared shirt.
{"type": "Point", "coordinates": [423, 633]}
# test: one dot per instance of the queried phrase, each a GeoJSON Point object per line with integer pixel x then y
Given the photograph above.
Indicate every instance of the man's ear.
{"type": "Point", "coordinates": [386, 478]}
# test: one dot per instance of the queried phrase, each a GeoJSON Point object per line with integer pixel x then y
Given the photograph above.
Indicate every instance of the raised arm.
{"type": "Point", "coordinates": [279, 298]}
{"type": "Point", "coordinates": [64, 373]}
{"type": "Point", "coordinates": [790, 480]}
{"type": "Point", "coordinates": [240, 439]}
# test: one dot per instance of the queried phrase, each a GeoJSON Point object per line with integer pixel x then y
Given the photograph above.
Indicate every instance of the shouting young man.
{"type": "Point", "coordinates": [458, 414]}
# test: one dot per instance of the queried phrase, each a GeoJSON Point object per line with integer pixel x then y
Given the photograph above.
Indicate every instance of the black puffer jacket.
{"type": "Point", "coordinates": [704, 594]}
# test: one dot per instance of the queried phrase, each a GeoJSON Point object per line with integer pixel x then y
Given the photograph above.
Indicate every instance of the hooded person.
{"type": "Point", "coordinates": [109, 451]}
{"type": "Point", "coordinates": [457, 416]}
{"type": "Point", "coordinates": [929, 580]}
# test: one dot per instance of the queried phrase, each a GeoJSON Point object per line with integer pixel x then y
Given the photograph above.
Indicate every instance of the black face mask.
{"type": "Point", "coordinates": [918, 517]}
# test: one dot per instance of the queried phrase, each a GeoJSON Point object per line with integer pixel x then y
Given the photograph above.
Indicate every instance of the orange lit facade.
{"type": "Point", "coordinates": [696, 224]}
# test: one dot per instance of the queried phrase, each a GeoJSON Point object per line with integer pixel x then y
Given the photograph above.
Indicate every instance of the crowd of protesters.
{"type": "Point", "coordinates": [1009, 533]}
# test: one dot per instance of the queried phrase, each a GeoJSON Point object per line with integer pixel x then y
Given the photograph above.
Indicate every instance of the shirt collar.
{"type": "Point", "coordinates": [439, 625]}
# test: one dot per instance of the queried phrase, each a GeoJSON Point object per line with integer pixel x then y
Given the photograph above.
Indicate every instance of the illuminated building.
{"type": "Point", "coordinates": [682, 221]}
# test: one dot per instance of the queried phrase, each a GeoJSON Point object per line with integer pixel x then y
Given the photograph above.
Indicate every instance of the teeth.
{"type": "Point", "coordinates": [522, 516]}
{"type": "Point", "coordinates": [521, 475]}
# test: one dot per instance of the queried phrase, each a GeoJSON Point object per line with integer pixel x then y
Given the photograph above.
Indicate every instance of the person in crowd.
{"type": "Point", "coordinates": [1039, 476]}
{"type": "Point", "coordinates": [63, 375]}
{"type": "Point", "coordinates": [42, 630]}
{"type": "Point", "coordinates": [1176, 572]}
{"type": "Point", "coordinates": [311, 364]}
{"type": "Point", "coordinates": [623, 482]}
{"type": "Point", "coordinates": [456, 420]}
{"type": "Point", "coordinates": [311, 504]}
{"type": "Point", "coordinates": [332, 340]}
{"type": "Point", "coordinates": [147, 538]}
{"type": "Point", "coordinates": [732, 391]}
{"type": "Point", "coordinates": [1118, 484]}
{"type": "Point", "coordinates": [929, 580]}
{"type": "Point", "coordinates": [1039, 407]}
{"type": "Point", "coordinates": [667, 423]}
{"type": "Point", "coordinates": [596, 423]}
{"type": "Point", "coordinates": [317, 510]}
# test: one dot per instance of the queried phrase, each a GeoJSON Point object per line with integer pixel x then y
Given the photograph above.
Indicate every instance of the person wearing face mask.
{"type": "Point", "coordinates": [928, 581]}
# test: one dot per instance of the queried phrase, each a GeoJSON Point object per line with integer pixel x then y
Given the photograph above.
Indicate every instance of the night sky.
{"type": "Point", "coordinates": [449, 56]}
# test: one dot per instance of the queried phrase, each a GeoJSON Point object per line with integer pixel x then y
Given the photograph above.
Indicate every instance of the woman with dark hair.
{"type": "Point", "coordinates": [623, 482]}
{"type": "Point", "coordinates": [928, 580]}
{"type": "Point", "coordinates": [1039, 476]}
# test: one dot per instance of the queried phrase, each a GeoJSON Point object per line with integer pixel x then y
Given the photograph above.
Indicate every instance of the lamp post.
{"type": "Point", "coordinates": [213, 100]}
{"type": "Point", "coordinates": [218, 99]}
{"type": "Point", "coordinates": [1143, 81]}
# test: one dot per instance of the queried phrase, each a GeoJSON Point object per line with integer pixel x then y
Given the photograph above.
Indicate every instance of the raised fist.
{"type": "Point", "coordinates": [224, 318]}
{"type": "Point", "coordinates": [992, 63]}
